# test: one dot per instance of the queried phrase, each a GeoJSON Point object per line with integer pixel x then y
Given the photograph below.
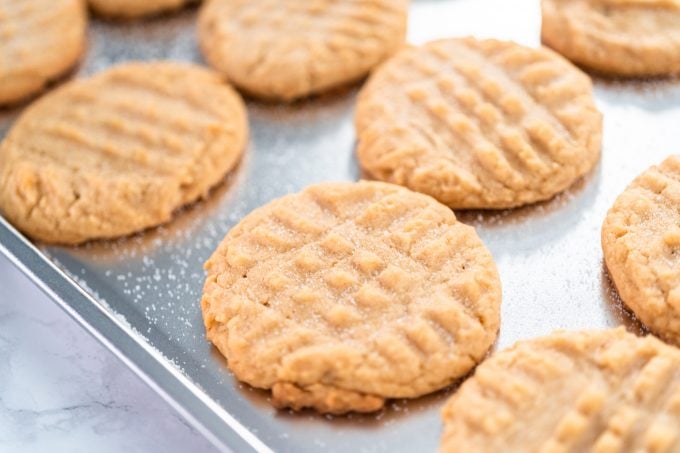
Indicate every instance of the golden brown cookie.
{"type": "Point", "coordinates": [478, 124]}
{"type": "Point", "coordinates": [347, 294]}
{"type": "Point", "coordinates": [39, 41]}
{"type": "Point", "coordinates": [131, 9]}
{"type": "Point", "coordinates": [641, 244]}
{"type": "Point", "coordinates": [119, 152]}
{"type": "Point", "coordinates": [606, 391]}
{"type": "Point", "coordinates": [619, 37]}
{"type": "Point", "coordinates": [287, 49]}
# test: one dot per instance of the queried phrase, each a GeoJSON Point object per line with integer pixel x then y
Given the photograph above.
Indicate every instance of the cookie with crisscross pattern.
{"type": "Point", "coordinates": [478, 124]}
{"type": "Point", "coordinates": [288, 49]}
{"type": "Point", "coordinates": [347, 294]}
{"type": "Point", "coordinates": [119, 152]}
{"type": "Point", "coordinates": [620, 37]}
{"type": "Point", "coordinates": [39, 41]}
{"type": "Point", "coordinates": [600, 391]}
{"type": "Point", "coordinates": [641, 244]}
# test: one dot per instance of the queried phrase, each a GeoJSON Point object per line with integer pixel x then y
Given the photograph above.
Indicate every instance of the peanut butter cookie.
{"type": "Point", "coordinates": [287, 49]}
{"type": "Point", "coordinates": [606, 391]}
{"type": "Point", "coordinates": [347, 294]}
{"type": "Point", "coordinates": [119, 152]}
{"type": "Point", "coordinates": [619, 37]}
{"type": "Point", "coordinates": [39, 41]}
{"type": "Point", "coordinates": [641, 244]}
{"type": "Point", "coordinates": [478, 124]}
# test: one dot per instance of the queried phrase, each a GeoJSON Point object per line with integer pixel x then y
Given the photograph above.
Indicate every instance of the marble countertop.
{"type": "Point", "coordinates": [60, 390]}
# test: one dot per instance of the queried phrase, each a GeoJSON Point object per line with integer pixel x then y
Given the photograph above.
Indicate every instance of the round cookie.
{"type": "Point", "coordinates": [347, 294]}
{"type": "Point", "coordinates": [132, 9]}
{"type": "Point", "coordinates": [119, 152]}
{"type": "Point", "coordinates": [606, 391]}
{"type": "Point", "coordinates": [39, 41]}
{"type": "Point", "coordinates": [288, 49]}
{"type": "Point", "coordinates": [478, 124]}
{"type": "Point", "coordinates": [618, 37]}
{"type": "Point", "coordinates": [641, 244]}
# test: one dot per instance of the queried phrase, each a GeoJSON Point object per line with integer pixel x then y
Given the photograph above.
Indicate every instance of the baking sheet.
{"type": "Point", "coordinates": [141, 294]}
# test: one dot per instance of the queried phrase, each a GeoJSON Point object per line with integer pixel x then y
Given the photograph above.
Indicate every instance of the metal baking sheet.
{"type": "Point", "coordinates": [140, 295]}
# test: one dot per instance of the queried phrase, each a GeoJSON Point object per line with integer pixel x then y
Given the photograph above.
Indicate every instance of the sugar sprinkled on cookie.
{"type": "Point", "coordinates": [39, 41]}
{"type": "Point", "coordinates": [596, 391]}
{"type": "Point", "coordinates": [347, 294]}
{"type": "Point", "coordinates": [288, 49]}
{"type": "Point", "coordinates": [641, 244]}
{"type": "Point", "coordinates": [478, 123]}
{"type": "Point", "coordinates": [619, 37]}
{"type": "Point", "coordinates": [119, 152]}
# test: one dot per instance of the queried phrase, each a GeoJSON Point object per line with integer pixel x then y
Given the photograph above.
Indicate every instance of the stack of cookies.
{"type": "Point", "coordinates": [345, 295]}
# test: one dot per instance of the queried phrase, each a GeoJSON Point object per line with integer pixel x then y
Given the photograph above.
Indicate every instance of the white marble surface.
{"type": "Point", "coordinates": [61, 391]}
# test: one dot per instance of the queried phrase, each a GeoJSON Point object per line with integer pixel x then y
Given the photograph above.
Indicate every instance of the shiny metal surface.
{"type": "Point", "coordinates": [141, 294]}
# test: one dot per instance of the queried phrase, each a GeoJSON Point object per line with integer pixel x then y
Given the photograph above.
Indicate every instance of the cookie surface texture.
{"type": "Point", "coordinates": [630, 38]}
{"type": "Point", "coordinates": [346, 294]}
{"type": "Point", "coordinates": [288, 49]}
{"type": "Point", "coordinates": [119, 152]}
{"type": "Point", "coordinates": [39, 41]}
{"type": "Point", "coordinates": [606, 391]}
{"type": "Point", "coordinates": [641, 245]}
{"type": "Point", "coordinates": [131, 9]}
{"type": "Point", "coordinates": [478, 124]}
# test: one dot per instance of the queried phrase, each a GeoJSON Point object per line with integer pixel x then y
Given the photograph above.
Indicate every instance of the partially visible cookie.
{"type": "Point", "coordinates": [39, 41]}
{"type": "Point", "coordinates": [347, 294]}
{"type": "Point", "coordinates": [478, 123]}
{"type": "Point", "coordinates": [132, 9]}
{"type": "Point", "coordinates": [119, 152]}
{"type": "Point", "coordinates": [288, 49]}
{"type": "Point", "coordinates": [618, 37]}
{"type": "Point", "coordinates": [641, 244]}
{"type": "Point", "coordinates": [606, 391]}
